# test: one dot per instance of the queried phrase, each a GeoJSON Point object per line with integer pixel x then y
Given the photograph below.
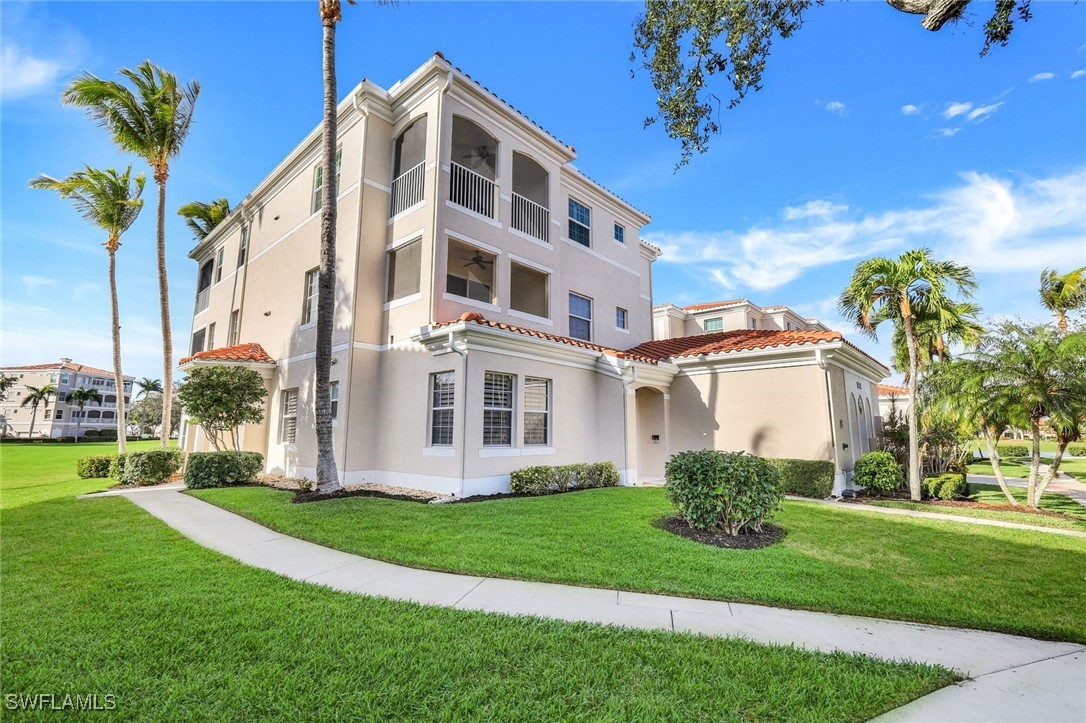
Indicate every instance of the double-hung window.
{"type": "Point", "coordinates": [309, 305]}
{"type": "Point", "coordinates": [288, 414]}
{"type": "Point", "coordinates": [442, 395]}
{"type": "Point", "coordinates": [580, 223]}
{"type": "Point", "coordinates": [497, 410]}
{"type": "Point", "coordinates": [580, 317]}
{"type": "Point", "coordinates": [620, 234]}
{"type": "Point", "coordinates": [318, 181]}
{"type": "Point", "coordinates": [716, 324]}
{"type": "Point", "coordinates": [333, 394]}
{"type": "Point", "coordinates": [219, 258]}
{"type": "Point", "coordinates": [404, 270]}
{"type": "Point", "coordinates": [235, 328]}
{"type": "Point", "coordinates": [537, 411]}
{"type": "Point", "coordinates": [243, 249]}
{"type": "Point", "coordinates": [210, 336]}
{"type": "Point", "coordinates": [622, 320]}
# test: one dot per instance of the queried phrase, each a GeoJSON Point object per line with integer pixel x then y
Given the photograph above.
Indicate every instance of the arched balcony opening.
{"type": "Point", "coordinates": [530, 207]}
{"type": "Point", "coordinates": [473, 168]}
{"type": "Point", "coordinates": [409, 167]}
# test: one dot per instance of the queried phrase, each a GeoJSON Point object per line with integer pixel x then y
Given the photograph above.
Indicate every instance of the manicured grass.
{"type": "Point", "coordinates": [834, 560]}
{"type": "Point", "coordinates": [100, 597]}
{"type": "Point", "coordinates": [1010, 468]}
{"type": "Point", "coordinates": [1074, 468]}
{"type": "Point", "coordinates": [991, 494]}
{"type": "Point", "coordinates": [1047, 445]}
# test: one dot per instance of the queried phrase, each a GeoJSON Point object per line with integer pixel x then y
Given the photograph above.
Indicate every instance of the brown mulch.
{"type": "Point", "coordinates": [972, 505]}
{"type": "Point", "coordinates": [676, 525]}
{"type": "Point", "coordinates": [302, 497]}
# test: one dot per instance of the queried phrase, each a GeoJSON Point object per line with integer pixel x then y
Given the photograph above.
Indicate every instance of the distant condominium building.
{"type": "Point", "coordinates": [56, 417]}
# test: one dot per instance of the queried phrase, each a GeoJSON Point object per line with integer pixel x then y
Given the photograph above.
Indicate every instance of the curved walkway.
{"type": "Point", "coordinates": [1011, 678]}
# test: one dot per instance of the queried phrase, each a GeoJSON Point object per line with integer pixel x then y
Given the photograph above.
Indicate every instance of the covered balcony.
{"type": "Point", "coordinates": [203, 286]}
{"type": "Point", "coordinates": [473, 168]}
{"type": "Point", "coordinates": [530, 209]}
{"type": "Point", "coordinates": [409, 168]}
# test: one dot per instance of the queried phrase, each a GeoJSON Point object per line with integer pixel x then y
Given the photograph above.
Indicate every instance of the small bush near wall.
{"type": "Point", "coordinates": [546, 479]}
{"type": "Point", "coordinates": [91, 434]}
{"type": "Point", "coordinates": [732, 492]}
{"type": "Point", "coordinates": [116, 467]}
{"type": "Point", "coordinates": [218, 469]}
{"type": "Point", "coordinates": [805, 477]}
{"type": "Point", "coordinates": [950, 486]}
{"type": "Point", "coordinates": [1012, 451]}
{"type": "Point", "coordinates": [878, 471]}
{"type": "Point", "coordinates": [95, 466]}
{"type": "Point", "coordinates": [1076, 450]}
{"type": "Point", "coordinates": [150, 467]}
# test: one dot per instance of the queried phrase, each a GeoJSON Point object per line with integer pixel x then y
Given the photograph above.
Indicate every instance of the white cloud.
{"type": "Point", "coordinates": [982, 112]}
{"type": "Point", "coordinates": [1078, 73]}
{"type": "Point", "coordinates": [956, 109]}
{"type": "Point", "coordinates": [813, 209]}
{"type": "Point", "coordinates": [33, 283]}
{"type": "Point", "coordinates": [25, 74]}
{"type": "Point", "coordinates": [834, 106]}
{"type": "Point", "coordinates": [947, 132]}
{"type": "Point", "coordinates": [86, 289]}
{"type": "Point", "coordinates": [1042, 76]}
{"type": "Point", "coordinates": [910, 109]}
{"type": "Point", "coordinates": [988, 223]}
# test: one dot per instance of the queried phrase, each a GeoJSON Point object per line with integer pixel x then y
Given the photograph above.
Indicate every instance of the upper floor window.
{"type": "Point", "coordinates": [470, 272]}
{"type": "Point", "coordinates": [580, 317]}
{"type": "Point", "coordinates": [65, 378]}
{"type": "Point", "coordinates": [288, 416]}
{"type": "Point", "coordinates": [408, 167]}
{"type": "Point", "coordinates": [210, 336]}
{"type": "Point", "coordinates": [497, 410]}
{"type": "Point", "coordinates": [243, 249]}
{"type": "Point", "coordinates": [528, 290]}
{"type": "Point", "coordinates": [442, 393]}
{"type": "Point", "coordinates": [715, 324]}
{"type": "Point", "coordinates": [621, 318]}
{"type": "Point", "coordinates": [309, 304]}
{"type": "Point", "coordinates": [60, 414]}
{"type": "Point", "coordinates": [404, 270]}
{"type": "Point", "coordinates": [620, 233]}
{"type": "Point", "coordinates": [318, 181]}
{"type": "Point", "coordinates": [197, 346]}
{"type": "Point", "coordinates": [203, 286]}
{"type": "Point", "coordinates": [220, 257]}
{"type": "Point", "coordinates": [580, 223]}
{"type": "Point", "coordinates": [333, 394]}
{"type": "Point", "coordinates": [234, 331]}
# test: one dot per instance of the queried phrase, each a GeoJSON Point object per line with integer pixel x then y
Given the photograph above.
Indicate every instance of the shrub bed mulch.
{"type": "Point", "coordinates": [970, 504]}
{"type": "Point", "coordinates": [410, 495]}
{"type": "Point", "coordinates": [676, 525]}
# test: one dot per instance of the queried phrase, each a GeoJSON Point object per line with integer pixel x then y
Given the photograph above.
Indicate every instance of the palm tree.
{"type": "Point", "coordinates": [884, 289]}
{"type": "Point", "coordinates": [152, 123]}
{"type": "Point", "coordinates": [147, 386]}
{"type": "Point", "coordinates": [937, 330]}
{"type": "Point", "coordinates": [1062, 293]}
{"type": "Point", "coordinates": [202, 217]}
{"type": "Point", "coordinates": [80, 397]}
{"type": "Point", "coordinates": [34, 397]}
{"type": "Point", "coordinates": [111, 201]}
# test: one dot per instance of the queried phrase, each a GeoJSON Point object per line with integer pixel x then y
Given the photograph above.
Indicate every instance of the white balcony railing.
{"type": "Point", "coordinates": [530, 218]}
{"type": "Point", "coordinates": [202, 298]}
{"type": "Point", "coordinates": [407, 190]}
{"type": "Point", "coordinates": [472, 190]}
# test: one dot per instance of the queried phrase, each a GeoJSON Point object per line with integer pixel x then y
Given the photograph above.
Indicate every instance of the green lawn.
{"type": "Point", "coordinates": [993, 495]}
{"type": "Point", "coordinates": [834, 560]}
{"type": "Point", "coordinates": [1047, 445]}
{"type": "Point", "coordinates": [100, 597]}
{"type": "Point", "coordinates": [1020, 467]}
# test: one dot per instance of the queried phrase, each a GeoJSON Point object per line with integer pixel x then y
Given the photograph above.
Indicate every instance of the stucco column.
{"type": "Point", "coordinates": [668, 451]}
{"type": "Point", "coordinates": [630, 473]}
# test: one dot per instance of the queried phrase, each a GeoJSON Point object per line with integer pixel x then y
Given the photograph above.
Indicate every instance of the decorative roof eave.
{"type": "Point", "coordinates": [250, 355]}
{"type": "Point", "coordinates": [853, 357]}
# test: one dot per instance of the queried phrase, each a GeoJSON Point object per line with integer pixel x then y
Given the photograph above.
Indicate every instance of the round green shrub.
{"type": "Point", "coordinates": [91, 434]}
{"type": "Point", "coordinates": [878, 471]}
{"type": "Point", "coordinates": [948, 486]}
{"type": "Point", "coordinates": [806, 477]}
{"type": "Point", "coordinates": [732, 492]}
{"type": "Point", "coordinates": [1012, 451]}
{"type": "Point", "coordinates": [96, 466]}
{"type": "Point", "coordinates": [1076, 449]}
{"type": "Point", "coordinates": [150, 467]}
{"type": "Point", "coordinates": [218, 469]}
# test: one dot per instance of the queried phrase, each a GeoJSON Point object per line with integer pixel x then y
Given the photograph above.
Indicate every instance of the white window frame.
{"type": "Point", "coordinates": [310, 294]}
{"type": "Point", "coordinates": [545, 411]}
{"type": "Point", "coordinates": [620, 234]}
{"type": "Point", "coordinates": [220, 261]}
{"type": "Point", "coordinates": [318, 181]}
{"type": "Point", "coordinates": [715, 318]}
{"type": "Point", "coordinates": [622, 315]}
{"type": "Point", "coordinates": [509, 411]}
{"type": "Point", "coordinates": [284, 398]}
{"type": "Point", "coordinates": [333, 397]}
{"type": "Point", "coordinates": [210, 340]}
{"type": "Point", "coordinates": [586, 226]}
{"type": "Point", "coordinates": [234, 330]}
{"type": "Point", "coordinates": [435, 407]}
{"type": "Point", "coordinates": [243, 247]}
{"type": "Point", "coordinates": [569, 309]}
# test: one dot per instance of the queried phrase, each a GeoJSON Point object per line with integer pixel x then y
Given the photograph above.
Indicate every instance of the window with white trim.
{"type": "Point", "coordinates": [318, 181]}
{"type": "Point", "coordinates": [497, 409]}
{"type": "Point", "coordinates": [528, 290]}
{"type": "Point", "coordinates": [580, 223]}
{"type": "Point", "coordinates": [715, 324]}
{"type": "Point", "coordinates": [210, 336]}
{"type": "Point", "coordinates": [580, 317]}
{"type": "Point", "coordinates": [470, 272]}
{"type": "Point", "coordinates": [333, 394]}
{"type": "Point", "coordinates": [442, 396]}
{"type": "Point", "coordinates": [197, 346]}
{"type": "Point", "coordinates": [235, 327]}
{"type": "Point", "coordinates": [60, 414]}
{"type": "Point", "coordinates": [309, 305]}
{"type": "Point", "coordinates": [620, 233]}
{"type": "Point", "coordinates": [622, 320]}
{"type": "Point", "coordinates": [288, 416]}
{"type": "Point", "coordinates": [220, 258]}
{"type": "Point", "coordinates": [537, 411]}
{"type": "Point", "coordinates": [243, 249]}
{"type": "Point", "coordinates": [404, 270]}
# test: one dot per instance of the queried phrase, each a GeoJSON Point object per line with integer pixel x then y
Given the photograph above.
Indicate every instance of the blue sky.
{"type": "Point", "coordinates": [870, 136]}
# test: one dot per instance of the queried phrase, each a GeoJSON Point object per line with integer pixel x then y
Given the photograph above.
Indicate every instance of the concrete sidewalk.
{"type": "Point", "coordinates": [1012, 678]}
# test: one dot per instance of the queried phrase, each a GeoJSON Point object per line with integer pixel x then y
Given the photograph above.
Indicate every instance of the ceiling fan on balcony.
{"type": "Point", "coordinates": [477, 260]}
{"type": "Point", "coordinates": [480, 154]}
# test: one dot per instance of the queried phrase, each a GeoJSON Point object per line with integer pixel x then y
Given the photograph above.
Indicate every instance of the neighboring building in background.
{"type": "Point", "coordinates": [893, 397]}
{"type": "Point", "coordinates": [57, 418]}
{"type": "Point", "coordinates": [670, 321]}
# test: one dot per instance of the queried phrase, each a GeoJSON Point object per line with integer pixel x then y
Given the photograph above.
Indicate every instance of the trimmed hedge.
{"type": "Point", "coordinates": [878, 471]}
{"type": "Point", "coordinates": [116, 467]}
{"type": "Point", "coordinates": [1077, 449]}
{"type": "Point", "coordinates": [95, 466]}
{"type": "Point", "coordinates": [547, 479]}
{"type": "Point", "coordinates": [805, 477]}
{"type": "Point", "coordinates": [1011, 451]}
{"type": "Point", "coordinates": [729, 491]}
{"type": "Point", "coordinates": [949, 486]}
{"type": "Point", "coordinates": [218, 469]}
{"type": "Point", "coordinates": [150, 467]}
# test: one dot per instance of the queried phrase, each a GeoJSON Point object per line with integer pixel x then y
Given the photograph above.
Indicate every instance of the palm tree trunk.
{"type": "Point", "coordinates": [33, 418]}
{"type": "Point", "coordinates": [1053, 470]}
{"type": "Point", "coordinates": [327, 475]}
{"type": "Point", "coordinates": [914, 435]}
{"type": "Point", "coordinates": [993, 457]}
{"type": "Point", "coordinates": [1062, 323]}
{"type": "Point", "coordinates": [1034, 463]}
{"type": "Point", "coordinates": [79, 423]}
{"type": "Point", "coordinates": [122, 436]}
{"type": "Point", "coordinates": [164, 308]}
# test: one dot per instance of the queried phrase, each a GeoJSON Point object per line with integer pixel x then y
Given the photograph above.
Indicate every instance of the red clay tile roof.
{"type": "Point", "coordinates": [714, 304]}
{"type": "Point", "coordinates": [886, 390]}
{"type": "Point", "coordinates": [477, 318]}
{"type": "Point", "coordinates": [239, 353]}
{"type": "Point", "coordinates": [725, 341]}
{"type": "Point", "coordinates": [67, 366]}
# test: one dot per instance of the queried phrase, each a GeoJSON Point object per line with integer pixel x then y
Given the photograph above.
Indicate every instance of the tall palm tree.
{"type": "Point", "coordinates": [895, 290]}
{"type": "Point", "coordinates": [1063, 293]}
{"type": "Point", "coordinates": [111, 201]}
{"type": "Point", "coordinates": [151, 120]}
{"type": "Point", "coordinates": [147, 386]}
{"type": "Point", "coordinates": [80, 397]}
{"type": "Point", "coordinates": [936, 331]}
{"type": "Point", "coordinates": [34, 397]}
{"type": "Point", "coordinates": [202, 218]}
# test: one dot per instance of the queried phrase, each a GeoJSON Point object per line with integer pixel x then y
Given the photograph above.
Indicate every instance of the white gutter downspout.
{"type": "Point", "coordinates": [463, 354]}
{"type": "Point", "coordinates": [820, 358]}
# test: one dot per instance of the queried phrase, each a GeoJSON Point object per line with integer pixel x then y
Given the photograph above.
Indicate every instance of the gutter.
{"type": "Point", "coordinates": [820, 359]}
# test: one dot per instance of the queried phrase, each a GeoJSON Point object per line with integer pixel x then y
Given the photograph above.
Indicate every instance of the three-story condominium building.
{"type": "Point", "coordinates": [56, 416]}
{"type": "Point", "coordinates": [485, 292]}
